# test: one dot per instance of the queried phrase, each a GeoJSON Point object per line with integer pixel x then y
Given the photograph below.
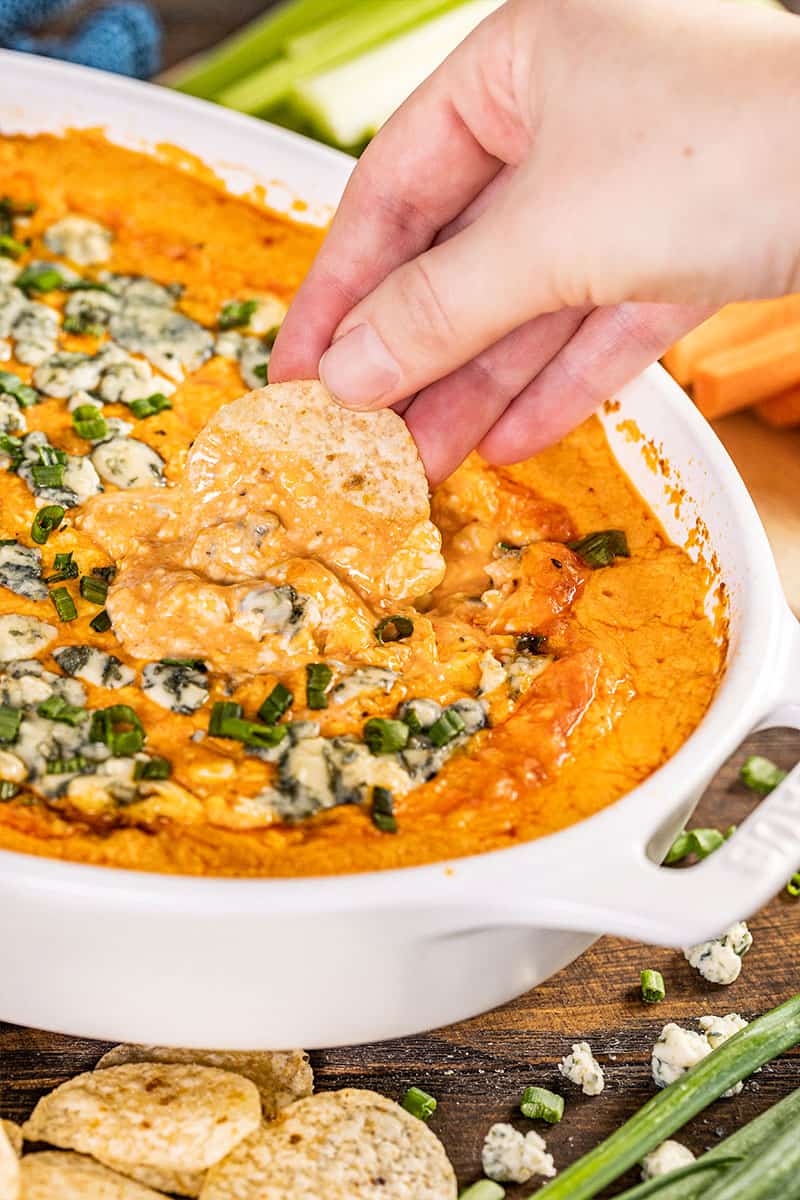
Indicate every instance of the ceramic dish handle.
{"type": "Point", "coordinates": [626, 892]}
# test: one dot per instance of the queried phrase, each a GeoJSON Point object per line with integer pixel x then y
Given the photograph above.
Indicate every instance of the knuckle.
{"type": "Point", "coordinates": [423, 307]}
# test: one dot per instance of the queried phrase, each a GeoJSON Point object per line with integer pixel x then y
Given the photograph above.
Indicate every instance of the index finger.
{"type": "Point", "coordinates": [432, 158]}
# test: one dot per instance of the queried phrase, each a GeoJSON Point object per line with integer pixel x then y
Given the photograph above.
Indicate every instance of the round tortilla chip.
{"type": "Point", "coordinates": [9, 1168]}
{"type": "Point", "coordinates": [169, 1116]}
{"type": "Point", "coordinates": [13, 1133]}
{"type": "Point", "coordinates": [349, 484]}
{"type": "Point", "coordinates": [59, 1175]}
{"type": "Point", "coordinates": [345, 1145]}
{"type": "Point", "coordinates": [281, 1076]}
{"type": "Point", "coordinates": [180, 1183]}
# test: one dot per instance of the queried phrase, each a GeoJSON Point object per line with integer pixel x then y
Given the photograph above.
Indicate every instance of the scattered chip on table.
{"type": "Point", "coordinates": [171, 1117]}
{"type": "Point", "coordinates": [9, 1168]}
{"type": "Point", "coordinates": [336, 1145]}
{"type": "Point", "coordinates": [61, 1175]}
{"type": "Point", "coordinates": [14, 1134]}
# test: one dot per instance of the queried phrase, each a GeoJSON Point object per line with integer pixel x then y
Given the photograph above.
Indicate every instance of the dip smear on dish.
{"type": "Point", "coordinates": [203, 687]}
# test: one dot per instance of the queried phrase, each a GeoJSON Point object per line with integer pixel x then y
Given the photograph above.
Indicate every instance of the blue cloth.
{"type": "Point", "coordinates": [124, 36]}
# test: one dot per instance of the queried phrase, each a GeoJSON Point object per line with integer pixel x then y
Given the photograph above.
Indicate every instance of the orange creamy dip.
{"type": "Point", "coordinates": [630, 659]}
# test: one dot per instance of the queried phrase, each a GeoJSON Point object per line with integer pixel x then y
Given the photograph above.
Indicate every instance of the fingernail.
{"type": "Point", "coordinates": [358, 368]}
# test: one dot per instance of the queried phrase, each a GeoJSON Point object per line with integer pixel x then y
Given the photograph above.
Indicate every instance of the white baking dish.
{"type": "Point", "coordinates": [319, 962]}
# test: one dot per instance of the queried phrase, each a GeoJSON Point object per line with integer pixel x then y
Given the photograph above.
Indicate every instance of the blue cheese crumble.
{"type": "Point", "coordinates": [720, 960]}
{"type": "Point", "coordinates": [509, 1156]}
{"type": "Point", "coordinates": [581, 1067]}
{"type": "Point", "coordinates": [678, 1049]}
{"type": "Point", "coordinates": [669, 1156]}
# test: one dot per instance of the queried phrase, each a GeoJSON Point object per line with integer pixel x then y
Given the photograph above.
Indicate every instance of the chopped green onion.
{"type": "Point", "coordinates": [601, 548]}
{"type": "Point", "coordinates": [260, 371]}
{"type": "Point", "coordinates": [46, 521]}
{"type": "Point", "coordinates": [154, 768]}
{"type": "Point", "coordinates": [101, 623]}
{"type": "Point", "coordinates": [541, 1105]}
{"type": "Point", "coordinates": [761, 774]}
{"type": "Point", "coordinates": [12, 446]}
{"type": "Point", "coordinates": [236, 313]}
{"type": "Point", "coordinates": [63, 568]}
{"type": "Point", "coordinates": [393, 629]}
{"type": "Point", "coordinates": [66, 766]}
{"type": "Point", "coordinates": [39, 279]}
{"type": "Point", "coordinates": [700, 842]}
{"type": "Point", "coordinates": [8, 790]}
{"type": "Point", "coordinates": [93, 589]}
{"type": "Point", "coordinates": [382, 810]}
{"type": "Point", "coordinates": [793, 886]}
{"type": "Point", "coordinates": [107, 573]}
{"type": "Point", "coordinates": [119, 727]}
{"type": "Point", "coordinates": [81, 323]}
{"type": "Point", "coordinates": [531, 643]}
{"type": "Point", "coordinates": [411, 719]}
{"type": "Point", "coordinates": [507, 548]}
{"type": "Point", "coordinates": [56, 708]}
{"type": "Point", "coordinates": [51, 456]}
{"type": "Point", "coordinates": [150, 405]}
{"type": "Point", "coordinates": [10, 721]}
{"type": "Point", "coordinates": [318, 680]}
{"type": "Point", "coordinates": [484, 1189]}
{"type": "Point", "coordinates": [47, 476]}
{"type": "Point", "coordinates": [64, 604]}
{"type": "Point", "coordinates": [419, 1103]}
{"type": "Point", "coordinates": [222, 711]}
{"type": "Point", "coordinates": [652, 983]}
{"type": "Point", "coordinates": [385, 736]}
{"type": "Point", "coordinates": [23, 393]}
{"type": "Point", "coordinates": [763, 1039]}
{"type": "Point", "coordinates": [88, 423]}
{"type": "Point", "coordinates": [276, 704]}
{"type": "Point", "coordinates": [85, 285]}
{"type": "Point", "coordinates": [448, 726]}
{"type": "Point", "coordinates": [194, 664]}
{"type": "Point", "coordinates": [10, 247]}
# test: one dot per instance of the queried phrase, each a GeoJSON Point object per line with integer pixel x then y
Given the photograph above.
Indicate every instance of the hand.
{"type": "Point", "coordinates": [579, 184]}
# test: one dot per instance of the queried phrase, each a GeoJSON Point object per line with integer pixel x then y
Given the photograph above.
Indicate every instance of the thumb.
{"type": "Point", "coordinates": [439, 310]}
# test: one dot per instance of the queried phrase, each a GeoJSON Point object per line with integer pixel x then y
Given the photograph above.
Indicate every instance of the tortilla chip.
{"type": "Point", "coordinates": [281, 1076]}
{"type": "Point", "coordinates": [167, 1116]}
{"type": "Point", "coordinates": [336, 1145]}
{"type": "Point", "coordinates": [179, 1183]}
{"type": "Point", "coordinates": [53, 1175]}
{"type": "Point", "coordinates": [9, 1168]}
{"type": "Point", "coordinates": [14, 1134]}
{"type": "Point", "coordinates": [352, 485]}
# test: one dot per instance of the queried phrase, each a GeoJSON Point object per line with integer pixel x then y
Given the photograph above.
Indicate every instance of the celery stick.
{"type": "Point", "coordinates": [337, 36]}
{"type": "Point", "coordinates": [347, 104]}
{"type": "Point", "coordinates": [762, 1040]}
{"type": "Point", "coordinates": [364, 28]}
{"type": "Point", "coordinates": [751, 1139]}
{"type": "Point", "coordinates": [254, 46]}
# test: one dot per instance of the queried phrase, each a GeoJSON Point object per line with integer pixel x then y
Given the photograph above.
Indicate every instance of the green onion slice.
{"type": "Point", "coordinates": [82, 324]}
{"type": "Point", "coordinates": [64, 604]}
{"type": "Point", "coordinates": [63, 568]}
{"type": "Point", "coordinates": [276, 704]}
{"type": "Point", "coordinates": [793, 886]}
{"type": "Point", "coordinates": [384, 735]}
{"type": "Point", "coordinates": [700, 842]}
{"type": "Point", "coordinates": [419, 1104]}
{"type": "Point", "coordinates": [46, 521]}
{"type": "Point", "coordinates": [761, 774]}
{"type": "Point", "coordinates": [23, 393]}
{"type": "Point", "coordinates": [101, 623]}
{"type": "Point", "coordinates": [236, 313]}
{"type": "Point", "coordinates": [39, 279]}
{"type": "Point", "coordinates": [56, 708]}
{"type": "Point", "coordinates": [448, 726]}
{"type": "Point", "coordinates": [47, 476]}
{"type": "Point", "coordinates": [119, 727]}
{"type": "Point", "coordinates": [260, 372]}
{"type": "Point", "coordinates": [154, 768]}
{"type": "Point", "coordinates": [221, 711]}
{"type": "Point", "coordinates": [484, 1189]}
{"type": "Point", "coordinates": [393, 629]}
{"type": "Point", "coordinates": [150, 405]}
{"type": "Point", "coordinates": [653, 989]}
{"type": "Point", "coordinates": [194, 664]}
{"type": "Point", "coordinates": [66, 766]}
{"type": "Point", "coordinates": [602, 548]}
{"type": "Point", "coordinates": [226, 721]}
{"type": "Point", "coordinates": [10, 247]}
{"type": "Point", "coordinates": [10, 721]}
{"type": "Point", "coordinates": [382, 810]}
{"type": "Point", "coordinates": [8, 790]}
{"type": "Point", "coordinates": [88, 423]}
{"type": "Point", "coordinates": [539, 1104]}
{"type": "Point", "coordinates": [93, 589]}
{"type": "Point", "coordinates": [318, 680]}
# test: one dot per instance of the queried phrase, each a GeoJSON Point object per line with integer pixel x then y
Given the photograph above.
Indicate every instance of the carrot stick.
{"type": "Point", "coordinates": [729, 327]}
{"type": "Point", "coordinates": [738, 377]}
{"type": "Point", "coordinates": [782, 410]}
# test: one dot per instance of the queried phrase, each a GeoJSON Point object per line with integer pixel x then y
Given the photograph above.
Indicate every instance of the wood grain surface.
{"type": "Point", "coordinates": [478, 1069]}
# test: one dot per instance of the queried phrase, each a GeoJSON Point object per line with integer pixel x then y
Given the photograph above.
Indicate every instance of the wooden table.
{"type": "Point", "coordinates": [478, 1069]}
